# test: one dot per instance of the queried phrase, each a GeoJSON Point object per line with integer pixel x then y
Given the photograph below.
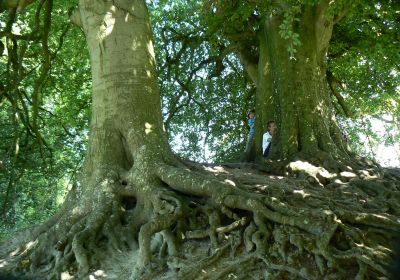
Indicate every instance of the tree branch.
{"type": "Point", "coordinates": [341, 15]}
{"type": "Point", "coordinates": [333, 83]}
{"type": "Point", "coordinates": [75, 17]}
{"type": "Point", "coordinates": [45, 69]}
{"type": "Point", "coordinates": [251, 68]}
{"type": "Point", "coordinates": [14, 4]}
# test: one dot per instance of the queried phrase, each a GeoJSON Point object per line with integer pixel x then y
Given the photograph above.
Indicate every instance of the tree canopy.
{"type": "Point", "coordinates": [358, 90]}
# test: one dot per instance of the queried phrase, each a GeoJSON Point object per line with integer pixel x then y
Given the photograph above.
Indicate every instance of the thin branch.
{"type": "Point", "coordinates": [18, 5]}
{"type": "Point", "coordinates": [333, 82]}
{"type": "Point", "coordinates": [45, 69]}
{"type": "Point", "coordinates": [251, 68]}
{"type": "Point", "coordinates": [341, 14]}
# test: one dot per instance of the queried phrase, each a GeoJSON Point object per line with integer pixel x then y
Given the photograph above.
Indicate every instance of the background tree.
{"type": "Point", "coordinates": [208, 47]}
{"type": "Point", "coordinates": [276, 42]}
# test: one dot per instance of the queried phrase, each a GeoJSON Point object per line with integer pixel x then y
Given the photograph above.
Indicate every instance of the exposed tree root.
{"type": "Point", "coordinates": [214, 222]}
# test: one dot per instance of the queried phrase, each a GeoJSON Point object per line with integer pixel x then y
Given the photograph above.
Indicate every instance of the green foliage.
{"type": "Point", "coordinates": [204, 94]}
{"type": "Point", "coordinates": [36, 172]}
{"type": "Point", "coordinates": [191, 35]}
{"type": "Point", "coordinates": [286, 30]}
{"type": "Point", "coordinates": [364, 58]}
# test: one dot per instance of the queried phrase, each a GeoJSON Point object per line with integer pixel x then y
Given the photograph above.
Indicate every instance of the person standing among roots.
{"type": "Point", "coordinates": [251, 123]}
{"type": "Point", "coordinates": [267, 137]}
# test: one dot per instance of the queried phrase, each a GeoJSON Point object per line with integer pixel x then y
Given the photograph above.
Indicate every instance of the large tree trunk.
{"type": "Point", "coordinates": [127, 141]}
{"type": "Point", "coordinates": [203, 222]}
{"type": "Point", "coordinates": [293, 90]}
{"type": "Point", "coordinates": [126, 114]}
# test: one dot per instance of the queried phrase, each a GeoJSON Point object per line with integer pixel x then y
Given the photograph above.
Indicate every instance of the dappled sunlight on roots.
{"type": "Point", "coordinates": [276, 177]}
{"type": "Point", "coordinates": [3, 263]}
{"type": "Point", "coordinates": [261, 187]}
{"type": "Point", "coordinates": [97, 275]}
{"type": "Point", "coordinates": [302, 193]}
{"type": "Point", "coordinates": [347, 174]}
{"type": "Point", "coordinates": [148, 128]}
{"type": "Point", "coordinates": [28, 246]}
{"type": "Point", "coordinates": [380, 216]}
{"type": "Point", "coordinates": [230, 182]}
{"type": "Point", "coordinates": [215, 169]}
{"type": "Point", "coordinates": [66, 276]}
{"type": "Point", "coordinates": [77, 210]}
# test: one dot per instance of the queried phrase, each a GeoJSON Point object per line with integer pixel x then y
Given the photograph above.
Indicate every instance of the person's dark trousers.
{"type": "Point", "coordinates": [266, 151]}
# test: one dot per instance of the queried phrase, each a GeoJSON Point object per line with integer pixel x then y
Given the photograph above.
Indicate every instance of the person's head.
{"type": "Point", "coordinates": [251, 114]}
{"type": "Point", "coordinates": [271, 126]}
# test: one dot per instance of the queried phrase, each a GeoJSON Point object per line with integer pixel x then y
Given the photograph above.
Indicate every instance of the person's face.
{"type": "Point", "coordinates": [251, 115]}
{"type": "Point", "coordinates": [272, 128]}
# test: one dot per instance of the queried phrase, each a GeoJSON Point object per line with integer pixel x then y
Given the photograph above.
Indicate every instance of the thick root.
{"type": "Point", "coordinates": [208, 222]}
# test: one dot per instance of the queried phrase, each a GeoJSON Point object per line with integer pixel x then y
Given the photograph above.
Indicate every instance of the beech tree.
{"type": "Point", "coordinates": [174, 219]}
{"type": "Point", "coordinates": [283, 47]}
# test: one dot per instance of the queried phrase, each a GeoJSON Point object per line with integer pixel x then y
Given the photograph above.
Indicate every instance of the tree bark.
{"type": "Point", "coordinates": [293, 90]}
{"type": "Point", "coordinates": [126, 102]}
{"type": "Point", "coordinates": [127, 141]}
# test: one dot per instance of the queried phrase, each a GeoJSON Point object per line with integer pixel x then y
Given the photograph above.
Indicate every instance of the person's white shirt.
{"type": "Point", "coordinates": [266, 140]}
